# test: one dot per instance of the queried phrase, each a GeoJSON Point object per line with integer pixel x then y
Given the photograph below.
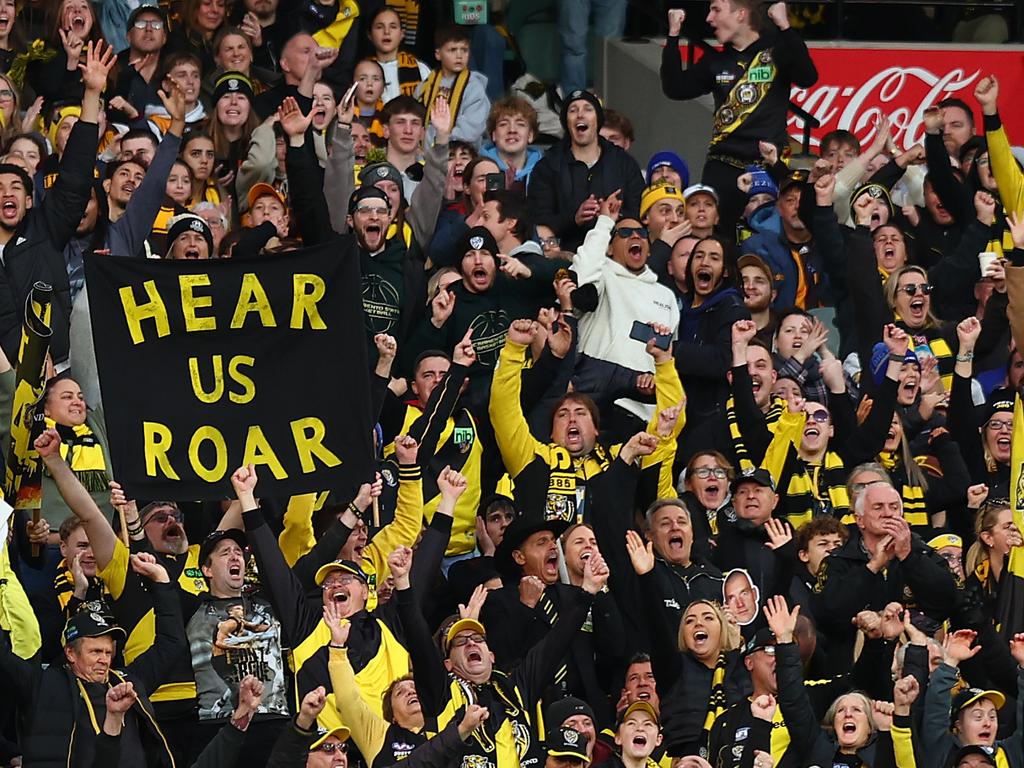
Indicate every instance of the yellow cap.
{"type": "Point", "coordinates": [946, 540]}
{"type": "Point", "coordinates": [63, 114]}
{"type": "Point", "coordinates": [656, 194]}
{"type": "Point", "coordinates": [461, 626]}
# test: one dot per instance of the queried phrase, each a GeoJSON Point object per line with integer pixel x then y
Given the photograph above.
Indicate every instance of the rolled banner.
{"type": "Point", "coordinates": [23, 482]}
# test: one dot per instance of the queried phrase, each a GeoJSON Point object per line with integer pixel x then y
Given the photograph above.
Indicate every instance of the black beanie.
{"type": "Point", "coordinates": [478, 239]}
{"type": "Point", "coordinates": [578, 95]}
{"type": "Point", "coordinates": [184, 222]}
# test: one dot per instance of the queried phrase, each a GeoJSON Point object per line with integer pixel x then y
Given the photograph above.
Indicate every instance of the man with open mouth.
{"type": "Point", "coordinates": [540, 474]}
{"type": "Point", "coordinates": [467, 674]}
{"type": "Point", "coordinates": [613, 262]}
{"type": "Point", "coordinates": [231, 635]}
{"type": "Point", "coordinates": [575, 176]}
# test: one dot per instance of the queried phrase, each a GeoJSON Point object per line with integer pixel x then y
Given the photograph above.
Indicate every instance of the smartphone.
{"type": "Point", "coordinates": [643, 333]}
{"type": "Point", "coordinates": [494, 181]}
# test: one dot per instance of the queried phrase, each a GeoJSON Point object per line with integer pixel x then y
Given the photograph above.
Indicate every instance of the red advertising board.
{"type": "Point", "coordinates": [857, 84]}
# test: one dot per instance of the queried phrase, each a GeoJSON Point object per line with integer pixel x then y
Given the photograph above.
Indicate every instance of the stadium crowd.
{"type": "Point", "coordinates": [670, 471]}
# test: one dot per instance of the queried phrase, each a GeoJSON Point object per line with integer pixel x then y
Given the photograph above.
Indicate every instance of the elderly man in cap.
{"type": "Point", "coordinates": [571, 181]}
{"type": "Point", "coordinates": [508, 738]}
{"type": "Point", "coordinates": [304, 744]}
{"type": "Point", "coordinates": [757, 719]}
{"type": "Point", "coordinates": [157, 527]}
{"type": "Point", "coordinates": [66, 703]}
{"type": "Point", "coordinates": [376, 643]}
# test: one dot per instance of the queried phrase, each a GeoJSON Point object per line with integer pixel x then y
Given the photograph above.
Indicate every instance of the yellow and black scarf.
{"type": "Point", "coordinates": [716, 701]}
{"type": "Point", "coordinates": [746, 94]}
{"type": "Point", "coordinates": [81, 449]}
{"type": "Point", "coordinates": [815, 489]}
{"type": "Point", "coordinates": [432, 88]}
{"type": "Point", "coordinates": [408, 73]}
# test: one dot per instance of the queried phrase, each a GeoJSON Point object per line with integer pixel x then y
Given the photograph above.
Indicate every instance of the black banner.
{"type": "Point", "coordinates": [207, 365]}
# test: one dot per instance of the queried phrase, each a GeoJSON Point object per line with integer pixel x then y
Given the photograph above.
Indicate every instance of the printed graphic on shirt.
{"type": "Point", "coordinates": [229, 639]}
{"type": "Point", "coordinates": [380, 304]}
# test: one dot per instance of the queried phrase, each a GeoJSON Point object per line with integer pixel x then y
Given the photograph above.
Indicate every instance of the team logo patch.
{"type": "Point", "coordinates": [196, 226]}
{"type": "Point", "coordinates": [476, 243]}
{"type": "Point", "coordinates": [747, 94]}
{"type": "Point", "coordinates": [570, 736]}
{"type": "Point", "coordinates": [382, 172]}
{"type": "Point", "coordinates": [233, 84]}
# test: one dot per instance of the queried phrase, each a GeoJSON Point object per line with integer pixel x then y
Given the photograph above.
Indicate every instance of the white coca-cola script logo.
{"type": "Point", "coordinates": [901, 93]}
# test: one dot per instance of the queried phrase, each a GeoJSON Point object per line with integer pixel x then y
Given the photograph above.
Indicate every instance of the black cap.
{"type": "Point", "coordinates": [210, 542]}
{"type": "Point", "coordinates": [560, 711]}
{"type": "Point", "coordinates": [88, 623]}
{"type": "Point", "coordinates": [968, 696]}
{"type": "Point", "coordinates": [757, 475]}
{"type": "Point", "coordinates": [151, 9]}
{"type": "Point", "coordinates": [986, 752]}
{"type": "Point", "coordinates": [764, 638]}
{"type": "Point", "coordinates": [999, 401]}
{"type": "Point", "coordinates": [566, 742]}
{"type": "Point", "coordinates": [478, 239]}
{"type": "Point", "coordinates": [232, 82]}
{"type": "Point", "coordinates": [364, 193]}
{"type": "Point", "coordinates": [518, 531]}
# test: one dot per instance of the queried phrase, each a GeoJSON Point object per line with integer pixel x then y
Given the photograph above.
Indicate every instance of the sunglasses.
{"type": "Point", "coordinates": [163, 517]}
{"type": "Point", "coordinates": [329, 748]}
{"type": "Point", "coordinates": [819, 416]}
{"type": "Point", "coordinates": [627, 232]}
{"type": "Point", "coordinates": [462, 640]}
{"type": "Point", "coordinates": [912, 289]}
{"type": "Point", "coordinates": [155, 24]}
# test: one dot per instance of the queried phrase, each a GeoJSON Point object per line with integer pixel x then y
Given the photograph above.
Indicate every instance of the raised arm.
{"type": "Point", "coordinates": [426, 201]}
{"type": "Point", "coordinates": [517, 445]}
{"type": "Point", "coordinates": [339, 173]}
{"type": "Point", "coordinates": [102, 538]}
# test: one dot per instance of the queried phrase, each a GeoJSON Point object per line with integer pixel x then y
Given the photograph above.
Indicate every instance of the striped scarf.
{"type": "Point", "coordinates": [82, 451]}
{"type": "Point", "coordinates": [739, 447]}
{"type": "Point", "coordinates": [716, 702]}
{"type": "Point", "coordinates": [408, 73]}
{"type": "Point", "coordinates": [432, 88]}
{"type": "Point", "coordinates": [814, 489]}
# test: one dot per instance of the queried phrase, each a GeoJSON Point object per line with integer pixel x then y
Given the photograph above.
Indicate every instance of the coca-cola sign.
{"type": "Point", "coordinates": [856, 85]}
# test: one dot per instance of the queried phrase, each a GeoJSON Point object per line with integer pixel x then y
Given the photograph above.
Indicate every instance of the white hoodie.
{"type": "Point", "coordinates": [623, 297]}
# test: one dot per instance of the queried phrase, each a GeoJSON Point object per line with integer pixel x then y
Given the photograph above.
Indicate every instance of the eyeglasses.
{"type": "Point", "coordinates": [6, 93]}
{"type": "Point", "coordinates": [819, 416]}
{"type": "Point", "coordinates": [704, 473]}
{"type": "Point", "coordinates": [154, 24]}
{"type": "Point", "coordinates": [549, 242]}
{"type": "Point", "coordinates": [913, 288]}
{"type": "Point", "coordinates": [462, 640]}
{"type": "Point", "coordinates": [627, 232]}
{"type": "Point", "coordinates": [377, 209]}
{"type": "Point", "coordinates": [330, 747]}
{"type": "Point", "coordinates": [340, 581]}
{"type": "Point", "coordinates": [997, 425]}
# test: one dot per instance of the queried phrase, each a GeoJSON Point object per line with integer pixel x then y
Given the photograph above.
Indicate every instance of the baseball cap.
{"type": "Point", "coordinates": [984, 751]}
{"type": "Point", "coordinates": [639, 706]}
{"type": "Point", "coordinates": [210, 542]}
{"type": "Point", "coordinates": [322, 734]}
{"type": "Point", "coordinates": [657, 193]}
{"type": "Point", "coordinates": [969, 696]}
{"type": "Point", "coordinates": [762, 640]}
{"type": "Point", "coordinates": [753, 260]}
{"type": "Point", "coordinates": [755, 475]}
{"type": "Point", "coordinates": [696, 189]}
{"type": "Point", "coordinates": [462, 625]}
{"type": "Point", "coordinates": [87, 623]}
{"type": "Point", "coordinates": [567, 742]}
{"type": "Point", "coordinates": [339, 565]}
{"type": "Point", "coordinates": [946, 540]}
{"type": "Point", "coordinates": [262, 189]}
{"type": "Point", "coordinates": [151, 9]}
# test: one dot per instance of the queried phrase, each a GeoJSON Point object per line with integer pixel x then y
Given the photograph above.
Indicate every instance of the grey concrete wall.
{"type": "Point", "coordinates": [626, 76]}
